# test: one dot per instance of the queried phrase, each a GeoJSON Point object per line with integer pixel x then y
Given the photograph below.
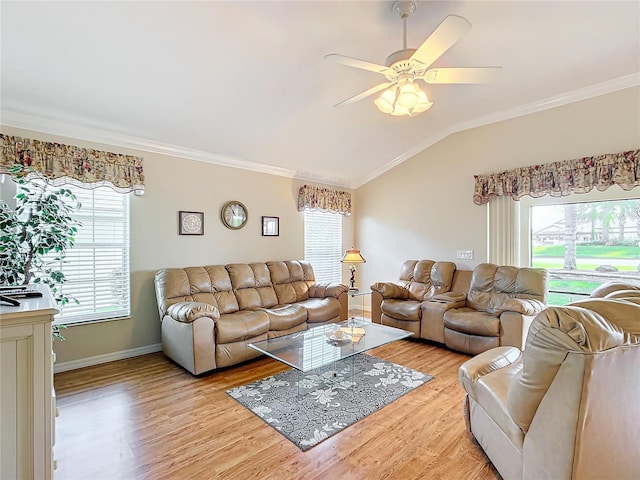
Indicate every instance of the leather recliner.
{"type": "Point", "coordinates": [568, 406]}
{"type": "Point", "coordinates": [500, 304]}
{"type": "Point", "coordinates": [400, 303]}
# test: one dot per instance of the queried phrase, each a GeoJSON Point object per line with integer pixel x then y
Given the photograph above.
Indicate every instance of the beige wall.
{"type": "Point", "coordinates": [423, 208]}
{"type": "Point", "coordinates": [420, 209]}
{"type": "Point", "coordinates": [174, 184]}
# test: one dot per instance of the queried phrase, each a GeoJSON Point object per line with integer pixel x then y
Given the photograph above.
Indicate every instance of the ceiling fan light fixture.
{"type": "Point", "coordinates": [407, 99]}
{"type": "Point", "coordinates": [423, 103]}
{"type": "Point", "coordinates": [385, 102]}
{"type": "Point", "coordinates": [409, 95]}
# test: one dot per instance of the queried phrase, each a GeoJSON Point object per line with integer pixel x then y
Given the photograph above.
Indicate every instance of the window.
{"type": "Point", "coordinates": [97, 266]}
{"type": "Point", "coordinates": [584, 245]}
{"type": "Point", "coordinates": [323, 245]}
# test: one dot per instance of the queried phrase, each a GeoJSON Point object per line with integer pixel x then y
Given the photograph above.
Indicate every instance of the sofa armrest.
{"type": "Point", "coordinates": [525, 306]}
{"type": "Point", "coordinates": [390, 290]}
{"type": "Point", "coordinates": [187, 312]}
{"type": "Point", "coordinates": [323, 290]}
{"type": "Point", "coordinates": [487, 362]}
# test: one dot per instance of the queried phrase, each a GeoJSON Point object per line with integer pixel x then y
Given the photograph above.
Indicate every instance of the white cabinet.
{"type": "Point", "coordinates": [27, 399]}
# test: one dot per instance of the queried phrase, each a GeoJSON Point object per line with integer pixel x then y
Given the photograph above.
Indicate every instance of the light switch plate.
{"type": "Point", "coordinates": [465, 254]}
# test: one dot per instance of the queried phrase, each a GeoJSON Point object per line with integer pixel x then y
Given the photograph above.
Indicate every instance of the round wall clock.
{"type": "Point", "coordinates": [234, 215]}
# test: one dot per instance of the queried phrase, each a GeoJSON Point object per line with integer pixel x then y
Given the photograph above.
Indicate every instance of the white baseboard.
{"type": "Point", "coordinates": [107, 357]}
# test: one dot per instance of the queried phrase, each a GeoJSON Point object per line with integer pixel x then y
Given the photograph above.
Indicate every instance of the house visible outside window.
{"type": "Point", "coordinates": [97, 266]}
{"type": "Point", "coordinates": [585, 244]}
{"type": "Point", "coordinates": [323, 245]}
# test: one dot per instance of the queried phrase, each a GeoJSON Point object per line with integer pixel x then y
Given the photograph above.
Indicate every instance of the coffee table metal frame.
{"type": "Point", "coordinates": [310, 349]}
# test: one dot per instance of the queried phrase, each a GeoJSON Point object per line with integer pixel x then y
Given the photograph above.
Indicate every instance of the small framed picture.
{"type": "Point", "coordinates": [191, 223]}
{"type": "Point", "coordinates": [270, 226]}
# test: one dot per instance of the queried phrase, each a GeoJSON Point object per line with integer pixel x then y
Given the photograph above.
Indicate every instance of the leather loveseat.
{"type": "Point", "coordinates": [468, 311]}
{"type": "Point", "coordinates": [568, 406]}
{"type": "Point", "coordinates": [210, 314]}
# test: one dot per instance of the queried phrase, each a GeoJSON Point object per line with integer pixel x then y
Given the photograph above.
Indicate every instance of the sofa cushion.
{"type": "Point", "coordinates": [252, 285]}
{"type": "Point", "coordinates": [285, 317]}
{"type": "Point", "coordinates": [242, 325]}
{"type": "Point", "coordinates": [425, 278]}
{"type": "Point", "coordinates": [469, 321]}
{"type": "Point", "coordinates": [321, 309]}
{"type": "Point", "coordinates": [209, 284]}
{"type": "Point", "coordinates": [442, 276]}
{"type": "Point", "coordinates": [402, 309]}
{"type": "Point", "coordinates": [253, 298]}
{"type": "Point", "coordinates": [415, 276]}
{"type": "Point", "coordinates": [252, 275]}
{"type": "Point", "coordinates": [289, 281]}
{"type": "Point", "coordinates": [489, 280]}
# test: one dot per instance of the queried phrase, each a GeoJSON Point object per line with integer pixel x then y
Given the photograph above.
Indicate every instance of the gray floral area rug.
{"type": "Point", "coordinates": [308, 408]}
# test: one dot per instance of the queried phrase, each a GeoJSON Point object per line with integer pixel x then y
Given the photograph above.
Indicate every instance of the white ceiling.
{"type": "Point", "coordinates": [245, 83]}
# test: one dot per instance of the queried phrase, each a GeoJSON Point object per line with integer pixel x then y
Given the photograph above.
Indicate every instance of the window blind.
{"type": "Point", "coordinates": [97, 266]}
{"type": "Point", "coordinates": [323, 245]}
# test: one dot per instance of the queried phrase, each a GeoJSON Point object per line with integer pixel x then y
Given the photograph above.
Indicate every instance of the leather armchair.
{"type": "Point", "coordinates": [568, 406]}
{"type": "Point", "coordinates": [500, 304]}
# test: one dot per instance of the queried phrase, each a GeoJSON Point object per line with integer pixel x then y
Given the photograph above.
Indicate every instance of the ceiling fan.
{"type": "Point", "coordinates": [402, 95]}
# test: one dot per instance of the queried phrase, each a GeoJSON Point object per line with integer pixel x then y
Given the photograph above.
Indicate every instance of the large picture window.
{"type": "Point", "coordinates": [323, 245]}
{"type": "Point", "coordinates": [585, 244]}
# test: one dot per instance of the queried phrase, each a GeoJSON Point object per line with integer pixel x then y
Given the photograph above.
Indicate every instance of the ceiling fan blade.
{"type": "Point", "coordinates": [444, 37]}
{"type": "Point", "coordinates": [461, 75]}
{"type": "Point", "coordinates": [365, 94]}
{"type": "Point", "coordinates": [354, 62]}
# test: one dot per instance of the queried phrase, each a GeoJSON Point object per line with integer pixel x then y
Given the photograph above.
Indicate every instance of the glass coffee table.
{"type": "Point", "coordinates": [318, 346]}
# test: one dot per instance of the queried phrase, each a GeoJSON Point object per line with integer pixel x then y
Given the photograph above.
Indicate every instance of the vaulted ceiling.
{"type": "Point", "coordinates": [245, 83]}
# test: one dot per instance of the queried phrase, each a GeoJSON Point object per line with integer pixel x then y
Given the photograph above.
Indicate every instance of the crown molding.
{"type": "Point", "coordinates": [566, 98]}
{"type": "Point", "coordinates": [591, 91]}
{"type": "Point", "coordinates": [71, 130]}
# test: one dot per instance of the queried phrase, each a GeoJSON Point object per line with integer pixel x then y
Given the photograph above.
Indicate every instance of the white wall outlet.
{"type": "Point", "coordinates": [465, 254]}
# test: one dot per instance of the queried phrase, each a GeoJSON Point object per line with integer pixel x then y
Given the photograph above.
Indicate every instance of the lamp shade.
{"type": "Point", "coordinates": [352, 256]}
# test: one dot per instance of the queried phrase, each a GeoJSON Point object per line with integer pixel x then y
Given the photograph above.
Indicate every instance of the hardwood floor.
{"type": "Point", "coordinates": [147, 418]}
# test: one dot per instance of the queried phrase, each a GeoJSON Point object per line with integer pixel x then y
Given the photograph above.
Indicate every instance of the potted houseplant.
{"type": "Point", "coordinates": [35, 236]}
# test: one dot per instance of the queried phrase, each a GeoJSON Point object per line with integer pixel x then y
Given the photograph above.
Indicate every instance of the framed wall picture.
{"type": "Point", "coordinates": [191, 223]}
{"type": "Point", "coordinates": [270, 226]}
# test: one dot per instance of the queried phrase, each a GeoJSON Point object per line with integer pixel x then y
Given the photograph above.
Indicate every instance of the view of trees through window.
{"type": "Point", "coordinates": [585, 244]}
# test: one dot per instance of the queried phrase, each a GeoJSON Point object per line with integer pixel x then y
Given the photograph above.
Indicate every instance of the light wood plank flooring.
{"type": "Point", "coordinates": [147, 418]}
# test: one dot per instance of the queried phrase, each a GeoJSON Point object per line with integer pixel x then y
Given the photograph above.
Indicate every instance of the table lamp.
{"type": "Point", "coordinates": [351, 257]}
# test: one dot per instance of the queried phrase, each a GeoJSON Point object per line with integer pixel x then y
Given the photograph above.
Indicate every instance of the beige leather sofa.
{"type": "Point", "coordinates": [468, 311]}
{"type": "Point", "coordinates": [568, 406]}
{"type": "Point", "coordinates": [210, 314]}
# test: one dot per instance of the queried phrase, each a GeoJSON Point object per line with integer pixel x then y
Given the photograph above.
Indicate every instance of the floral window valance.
{"type": "Point", "coordinates": [315, 198]}
{"type": "Point", "coordinates": [83, 167]}
{"type": "Point", "coordinates": [559, 179]}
